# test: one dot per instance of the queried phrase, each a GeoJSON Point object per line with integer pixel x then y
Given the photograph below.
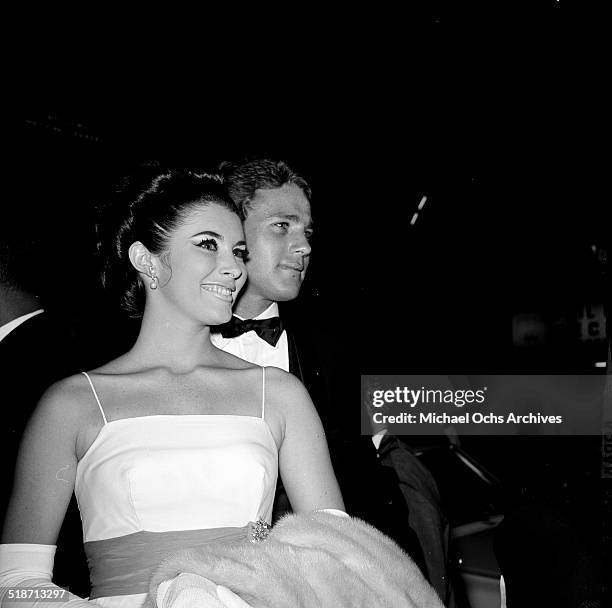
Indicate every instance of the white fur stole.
{"type": "Point", "coordinates": [316, 560]}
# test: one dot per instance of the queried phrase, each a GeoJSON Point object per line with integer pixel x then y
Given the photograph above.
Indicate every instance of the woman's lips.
{"type": "Point", "coordinates": [220, 291]}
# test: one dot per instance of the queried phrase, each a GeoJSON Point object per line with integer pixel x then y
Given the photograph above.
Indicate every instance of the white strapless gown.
{"type": "Point", "coordinates": [175, 473]}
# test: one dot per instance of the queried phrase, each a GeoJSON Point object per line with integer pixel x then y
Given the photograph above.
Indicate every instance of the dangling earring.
{"type": "Point", "coordinates": [153, 284]}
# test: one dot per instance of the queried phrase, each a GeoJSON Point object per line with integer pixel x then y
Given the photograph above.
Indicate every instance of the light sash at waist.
{"type": "Point", "coordinates": [123, 565]}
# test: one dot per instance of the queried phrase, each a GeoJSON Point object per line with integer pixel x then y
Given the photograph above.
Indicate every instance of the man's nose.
{"type": "Point", "coordinates": [301, 245]}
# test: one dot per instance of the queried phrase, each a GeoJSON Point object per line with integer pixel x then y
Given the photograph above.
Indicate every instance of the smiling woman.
{"type": "Point", "coordinates": [195, 265]}
{"type": "Point", "coordinates": [146, 211]}
{"type": "Point", "coordinates": [175, 443]}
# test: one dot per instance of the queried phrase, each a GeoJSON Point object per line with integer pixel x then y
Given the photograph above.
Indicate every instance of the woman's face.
{"type": "Point", "coordinates": [204, 271]}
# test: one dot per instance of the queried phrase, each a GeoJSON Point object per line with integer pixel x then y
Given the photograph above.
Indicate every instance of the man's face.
{"type": "Point", "coordinates": [278, 228]}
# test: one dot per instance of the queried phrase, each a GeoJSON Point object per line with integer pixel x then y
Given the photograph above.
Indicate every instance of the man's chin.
{"type": "Point", "coordinates": [287, 293]}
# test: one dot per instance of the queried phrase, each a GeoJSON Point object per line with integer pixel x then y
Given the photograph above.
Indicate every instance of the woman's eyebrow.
{"type": "Point", "coordinates": [216, 235]}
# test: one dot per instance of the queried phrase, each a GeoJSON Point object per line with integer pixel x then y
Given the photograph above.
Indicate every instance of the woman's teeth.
{"type": "Point", "coordinates": [218, 290]}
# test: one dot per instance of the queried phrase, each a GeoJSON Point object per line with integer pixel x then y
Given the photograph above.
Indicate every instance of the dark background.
{"type": "Point", "coordinates": [498, 115]}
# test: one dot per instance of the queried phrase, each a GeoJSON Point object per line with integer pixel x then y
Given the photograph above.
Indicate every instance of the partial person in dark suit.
{"type": "Point", "coordinates": [269, 329]}
{"type": "Point", "coordinates": [426, 514]}
{"type": "Point", "coordinates": [36, 350]}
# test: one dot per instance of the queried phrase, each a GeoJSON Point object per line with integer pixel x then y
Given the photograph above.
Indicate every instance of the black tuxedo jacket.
{"type": "Point", "coordinates": [331, 375]}
{"type": "Point", "coordinates": [33, 356]}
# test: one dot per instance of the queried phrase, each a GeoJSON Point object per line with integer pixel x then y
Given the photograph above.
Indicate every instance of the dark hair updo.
{"type": "Point", "coordinates": [148, 206]}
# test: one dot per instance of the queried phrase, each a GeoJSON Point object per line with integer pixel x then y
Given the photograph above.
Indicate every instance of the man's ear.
{"type": "Point", "coordinates": [141, 258]}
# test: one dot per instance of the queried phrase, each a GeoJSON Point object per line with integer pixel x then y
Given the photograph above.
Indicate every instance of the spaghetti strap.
{"type": "Point", "coordinates": [263, 393]}
{"type": "Point", "coordinates": [96, 396]}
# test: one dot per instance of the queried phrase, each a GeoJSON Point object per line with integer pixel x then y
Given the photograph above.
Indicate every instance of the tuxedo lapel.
{"type": "Point", "coordinates": [295, 365]}
{"type": "Point", "coordinates": [303, 365]}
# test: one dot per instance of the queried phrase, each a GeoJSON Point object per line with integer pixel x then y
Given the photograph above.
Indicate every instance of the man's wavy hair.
{"type": "Point", "coordinates": [244, 178]}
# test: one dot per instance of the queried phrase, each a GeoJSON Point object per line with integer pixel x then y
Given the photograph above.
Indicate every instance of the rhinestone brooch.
{"type": "Point", "coordinates": [258, 530]}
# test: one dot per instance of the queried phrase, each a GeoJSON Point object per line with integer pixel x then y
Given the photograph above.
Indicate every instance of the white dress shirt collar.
{"type": "Point", "coordinates": [268, 313]}
{"type": "Point", "coordinates": [7, 328]}
{"type": "Point", "coordinates": [252, 348]}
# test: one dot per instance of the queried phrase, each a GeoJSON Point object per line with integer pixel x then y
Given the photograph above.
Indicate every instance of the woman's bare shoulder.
{"type": "Point", "coordinates": [229, 361]}
{"type": "Point", "coordinates": [285, 392]}
{"type": "Point", "coordinates": [281, 380]}
{"type": "Point", "coordinates": [125, 363]}
{"type": "Point", "coordinates": [68, 398]}
{"type": "Point", "coordinates": [66, 388]}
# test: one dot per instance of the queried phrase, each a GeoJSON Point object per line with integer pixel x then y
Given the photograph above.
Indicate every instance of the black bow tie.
{"type": "Point", "coordinates": [269, 330]}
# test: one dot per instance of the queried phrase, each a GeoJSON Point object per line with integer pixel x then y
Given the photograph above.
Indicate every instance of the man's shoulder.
{"type": "Point", "coordinates": [42, 347]}
{"type": "Point", "coordinates": [313, 326]}
{"type": "Point", "coordinates": [44, 323]}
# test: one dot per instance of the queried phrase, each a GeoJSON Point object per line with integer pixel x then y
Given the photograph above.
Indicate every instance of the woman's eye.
{"type": "Point", "coordinates": [208, 244]}
{"type": "Point", "coordinates": [308, 234]}
{"type": "Point", "coordinates": [282, 225]}
{"type": "Point", "coordinates": [241, 254]}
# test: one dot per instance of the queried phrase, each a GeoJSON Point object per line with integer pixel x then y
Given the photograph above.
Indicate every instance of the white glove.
{"type": "Point", "coordinates": [230, 599]}
{"type": "Point", "coordinates": [193, 591]}
{"type": "Point", "coordinates": [30, 566]}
